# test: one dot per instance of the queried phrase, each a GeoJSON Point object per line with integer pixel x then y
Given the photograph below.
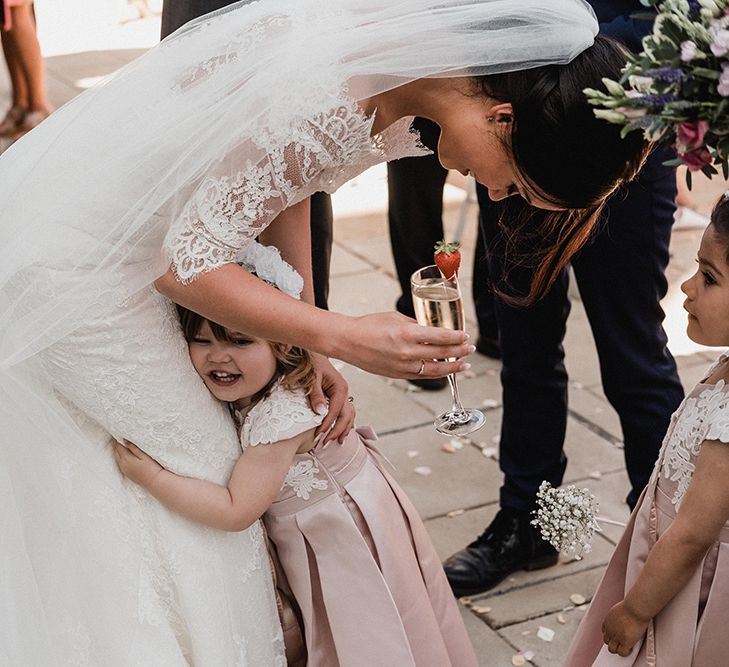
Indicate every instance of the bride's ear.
{"type": "Point", "coordinates": [501, 113]}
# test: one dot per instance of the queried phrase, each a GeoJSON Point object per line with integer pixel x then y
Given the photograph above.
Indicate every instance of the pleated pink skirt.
{"type": "Point", "coordinates": [368, 583]}
{"type": "Point", "coordinates": [690, 631]}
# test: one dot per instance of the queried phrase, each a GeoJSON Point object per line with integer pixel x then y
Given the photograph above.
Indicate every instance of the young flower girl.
{"type": "Point", "coordinates": [354, 554]}
{"type": "Point", "coordinates": [664, 598]}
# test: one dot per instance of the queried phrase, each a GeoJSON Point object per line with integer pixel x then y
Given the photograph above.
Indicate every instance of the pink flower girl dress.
{"type": "Point", "coordinates": [366, 581]}
{"type": "Point", "coordinates": [690, 631]}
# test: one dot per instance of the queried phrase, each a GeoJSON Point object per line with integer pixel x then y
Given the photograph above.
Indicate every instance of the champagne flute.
{"type": "Point", "coordinates": [438, 303]}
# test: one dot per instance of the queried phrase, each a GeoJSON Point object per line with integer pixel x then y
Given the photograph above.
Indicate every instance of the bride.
{"type": "Point", "coordinates": [150, 185]}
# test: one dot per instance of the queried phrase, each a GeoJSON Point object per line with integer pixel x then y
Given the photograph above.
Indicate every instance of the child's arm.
{"type": "Point", "coordinates": [255, 482]}
{"type": "Point", "coordinates": [679, 551]}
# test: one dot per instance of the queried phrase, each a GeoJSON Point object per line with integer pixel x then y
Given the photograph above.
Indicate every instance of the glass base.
{"type": "Point", "coordinates": [459, 423]}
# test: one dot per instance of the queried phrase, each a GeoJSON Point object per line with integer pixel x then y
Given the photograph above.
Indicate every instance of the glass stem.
{"type": "Point", "coordinates": [456, 408]}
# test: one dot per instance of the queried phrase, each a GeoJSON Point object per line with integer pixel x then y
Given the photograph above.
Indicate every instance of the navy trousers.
{"type": "Point", "coordinates": [620, 275]}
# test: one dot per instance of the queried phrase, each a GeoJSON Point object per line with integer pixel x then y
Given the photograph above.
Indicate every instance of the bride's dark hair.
{"type": "Point", "coordinates": [563, 152]}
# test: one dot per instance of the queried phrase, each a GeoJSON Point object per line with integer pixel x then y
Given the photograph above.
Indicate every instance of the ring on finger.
{"type": "Point", "coordinates": [422, 367]}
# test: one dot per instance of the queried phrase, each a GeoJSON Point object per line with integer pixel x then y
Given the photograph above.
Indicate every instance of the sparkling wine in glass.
{"type": "Point", "coordinates": [438, 303]}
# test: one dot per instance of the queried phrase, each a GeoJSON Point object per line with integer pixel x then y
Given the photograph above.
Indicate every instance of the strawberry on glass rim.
{"type": "Point", "coordinates": [447, 258]}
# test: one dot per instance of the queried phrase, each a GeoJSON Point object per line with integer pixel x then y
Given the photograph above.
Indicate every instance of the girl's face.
{"type": "Point", "coordinates": [707, 293]}
{"type": "Point", "coordinates": [234, 371]}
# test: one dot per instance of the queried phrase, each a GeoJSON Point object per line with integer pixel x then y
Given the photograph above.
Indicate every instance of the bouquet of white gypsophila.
{"type": "Point", "coordinates": [678, 85]}
{"type": "Point", "coordinates": [568, 518]}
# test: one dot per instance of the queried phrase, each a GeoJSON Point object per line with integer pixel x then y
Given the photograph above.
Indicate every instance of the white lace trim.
{"type": "Point", "coordinates": [702, 417]}
{"type": "Point", "coordinates": [302, 478]}
{"type": "Point", "coordinates": [280, 416]}
{"type": "Point", "coordinates": [317, 153]}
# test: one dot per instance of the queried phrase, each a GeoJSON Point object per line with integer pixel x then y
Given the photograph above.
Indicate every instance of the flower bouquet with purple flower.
{"type": "Point", "coordinates": [676, 90]}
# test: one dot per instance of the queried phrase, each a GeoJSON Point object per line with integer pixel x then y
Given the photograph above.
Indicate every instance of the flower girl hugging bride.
{"type": "Point", "coordinates": [366, 581]}
{"type": "Point", "coordinates": [664, 597]}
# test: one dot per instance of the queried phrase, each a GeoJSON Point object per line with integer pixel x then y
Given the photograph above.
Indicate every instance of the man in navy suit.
{"type": "Point", "coordinates": [620, 275]}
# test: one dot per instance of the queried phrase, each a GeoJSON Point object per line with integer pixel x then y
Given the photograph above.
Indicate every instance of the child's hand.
{"type": "Point", "coordinates": [135, 464]}
{"type": "Point", "coordinates": [621, 629]}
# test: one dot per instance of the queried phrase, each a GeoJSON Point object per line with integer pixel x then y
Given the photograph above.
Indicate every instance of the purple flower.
{"type": "Point", "coordinates": [653, 101]}
{"type": "Point", "coordinates": [694, 8]}
{"type": "Point", "coordinates": [668, 74]}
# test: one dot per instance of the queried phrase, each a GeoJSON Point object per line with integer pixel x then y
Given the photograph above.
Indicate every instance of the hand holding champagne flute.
{"type": "Point", "coordinates": [438, 303]}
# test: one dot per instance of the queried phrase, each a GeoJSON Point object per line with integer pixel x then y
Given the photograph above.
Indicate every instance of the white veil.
{"type": "Point", "coordinates": [88, 197]}
{"type": "Point", "coordinates": [102, 179]}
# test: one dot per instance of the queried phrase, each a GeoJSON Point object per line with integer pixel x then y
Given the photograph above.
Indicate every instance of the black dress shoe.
{"type": "Point", "coordinates": [510, 543]}
{"type": "Point", "coordinates": [430, 384]}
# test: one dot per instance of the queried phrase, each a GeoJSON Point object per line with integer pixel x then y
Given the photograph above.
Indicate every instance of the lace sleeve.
{"type": "Point", "coordinates": [717, 413]}
{"type": "Point", "coordinates": [232, 207]}
{"type": "Point", "coordinates": [282, 415]}
{"type": "Point", "coordinates": [236, 201]}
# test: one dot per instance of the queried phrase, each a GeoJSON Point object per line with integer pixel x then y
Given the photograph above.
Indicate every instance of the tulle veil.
{"type": "Point", "coordinates": [89, 196]}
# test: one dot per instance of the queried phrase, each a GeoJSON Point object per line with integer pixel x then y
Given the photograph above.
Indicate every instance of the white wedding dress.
{"type": "Point", "coordinates": [182, 158]}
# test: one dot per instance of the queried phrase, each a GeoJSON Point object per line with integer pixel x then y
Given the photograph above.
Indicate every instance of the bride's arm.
{"type": "Point", "coordinates": [388, 344]}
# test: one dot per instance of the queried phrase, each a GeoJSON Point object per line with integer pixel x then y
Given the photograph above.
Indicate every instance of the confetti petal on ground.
{"type": "Point", "coordinates": [528, 654]}
{"type": "Point", "coordinates": [545, 634]}
{"type": "Point", "coordinates": [453, 513]}
{"type": "Point", "coordinates": [411, 388]}
{"type": "Point", "coordinates": [448, 448]}
{"type": "Point", "coordinates": [489, 403]}
{"type": "Point", "coordinates": [478, 609]}
{"type": "Point", "coordinates": [578, 385]}
{"type": "Point", "coordinates": [595, 474]}
{"type": "Point", "coordinates": [496, 439]}
{"type": "Point", "coordinates": [457, 443]}
{"type": "Point", "coordinates": [466, 600]}
{"type": "Point", "coordinates": [577, 599]}
{"type": "Point", "coordinates": [561, 619]}
{"type": "Point", "coordinates": [468, 374]}
{"type": "Point", "coordinates": [423, 470]}
{"type": "Point", "coordinates": [412, 453]}
{"type": "Point", "coordinates": [489, 452]}
{"type": "Point", "coordinates": [518, 659]}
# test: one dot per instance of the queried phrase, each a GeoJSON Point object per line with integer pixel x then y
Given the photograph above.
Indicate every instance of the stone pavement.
{"type": "Point", "coordinates": [456, 492]}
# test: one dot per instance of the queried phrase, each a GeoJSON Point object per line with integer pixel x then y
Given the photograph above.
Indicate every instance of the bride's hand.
{"type": "Point", "coordinates": [340, 415]}
{"type": "Point", "coordinates": [393, 345]}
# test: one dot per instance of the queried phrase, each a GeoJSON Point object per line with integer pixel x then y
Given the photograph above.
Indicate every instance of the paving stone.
{"type": "Point", "coordinates": [461, 480]}
{"type": "Point", "coordinates": [473, 390]}
{"type": "Point", "coordinates": [382, 405]}
{"type": "Point", "coordinates": [345, 263]}
{"type": "Point", "coordinates": [588, 452]}
{"type": "Point", "coordinates": [546, 654]}
{"type": "Point", "coordinates": [595, 409]}
{"type": "Point", "coordinates": [364, 293]}
{"type": "Point", "coordinates": [491, 649]}
{"type": "Point", "coordinates": [691, 375]}
{"type": "Point", "coordinates": [539, 599]}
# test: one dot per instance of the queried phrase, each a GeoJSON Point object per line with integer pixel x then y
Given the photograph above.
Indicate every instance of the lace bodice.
{"type": "Point", "coordinates": [283, 414]}
{"type": "Point", "coordinates": [318, 152]}
{"type": "Point", "coordinates": [703, 415]}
